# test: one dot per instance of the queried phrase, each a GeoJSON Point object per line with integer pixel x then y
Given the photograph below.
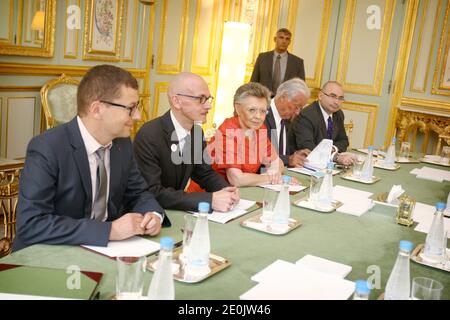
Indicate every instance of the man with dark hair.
{"type": "Point", "coordinates": [80, 183]}
{"type": "Point", "coordinates": [320, 120]}
{"type": "Point", "coordinates": [276, 66]}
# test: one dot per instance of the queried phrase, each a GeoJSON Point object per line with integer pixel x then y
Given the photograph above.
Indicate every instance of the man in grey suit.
{"type": "Point", "coordinates": [170, 150]}
{"type": "Point", "coordinates": [80, 183]}
{"type": "Point", "coordinates": [291, 97]}
{"type": "Point", "coordinates": [276, 66]}
{"type": "Point", "coordinates": [322, 119]}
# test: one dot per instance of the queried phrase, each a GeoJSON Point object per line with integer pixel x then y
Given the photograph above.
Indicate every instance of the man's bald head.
{"type": "Point", "coordinates": [185, 83]}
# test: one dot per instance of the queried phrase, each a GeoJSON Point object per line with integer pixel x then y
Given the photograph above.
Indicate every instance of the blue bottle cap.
{"type": "Point", "coordinates": [166, 243]}
{"type": "Point", "coordinates": [330, 165]}
{"type": "Point", "coordinates": [362, 287]}
{"type": "Point", "coordinates": [406, 245]}
{"type": "Point", "coordinates": [370, 148]}
{"type": "Point", "coordinates": [203, 207]}
{"type": "Point", "coordinates": [440, 206]}
{"type": "Point", "coordinates": [286, 179]}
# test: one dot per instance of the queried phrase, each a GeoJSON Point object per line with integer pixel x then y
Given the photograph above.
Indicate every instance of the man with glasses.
{"type": "Point", "coordinates": [80, 183]}
{"type": "Point", "coordinates": [170, 150]}
{"type": "Point", "coordinates": [323, 119]}
{"type": "Point", "coordinates": [291, 96]}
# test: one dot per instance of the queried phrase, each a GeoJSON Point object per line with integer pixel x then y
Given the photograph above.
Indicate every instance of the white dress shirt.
{"type": "Point", "coordinates": [277, 119]}
{"type": "Point", "coordinates": [181, 132]}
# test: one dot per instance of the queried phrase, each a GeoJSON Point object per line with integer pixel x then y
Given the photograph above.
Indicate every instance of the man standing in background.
{"type": "Point", "coordinates": [276, 66]}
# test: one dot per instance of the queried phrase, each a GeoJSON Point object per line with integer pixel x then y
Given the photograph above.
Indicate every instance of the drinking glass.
{"type": "Point", "coordinates": [130, 277]}
{"type": "Point", "coordinates": [426, 289]}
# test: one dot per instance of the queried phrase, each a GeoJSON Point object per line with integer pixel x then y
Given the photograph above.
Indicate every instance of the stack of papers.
{"type": "Point", "coordinates": [355, 202]}
{"type": "Point", "coordinates": [277, 187]}
{"type": "Point", "coordinates": [423, 214]}
{"type": "Point", "coordinates": [223, 217]}
{"type": "Point", "coordinates": [309, 172]}
{"type": "Point", "coordinates": [309, 278]}
{"type": "Point", "coordinates": [432, 174]}
{"type": "Point", "coordinates": [133, 247]}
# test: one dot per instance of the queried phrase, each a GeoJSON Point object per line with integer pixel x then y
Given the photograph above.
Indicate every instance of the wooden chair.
{"type": "Point", "coordinates": [59, 100]}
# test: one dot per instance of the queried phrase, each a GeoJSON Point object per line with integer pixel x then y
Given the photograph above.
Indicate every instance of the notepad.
{"type": "Point", "coordinates": [223, 217]}
{"type": "Point", "coordinates": [133, 247]}
{"type": "Point", "coordinates": [277, 187]}
{"type": "Point", "coordinates": [355, 202]}
{"type": "Point", "coordinates": [308, 172]}
{"type": "Point", "coordinates": [286, 281]}
{"type": "Point", "coordinates": [325, 265]}
{"type": "Point", "coordinates": [46, 283]}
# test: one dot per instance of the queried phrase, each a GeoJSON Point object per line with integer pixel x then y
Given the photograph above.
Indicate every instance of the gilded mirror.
{"type": "Point", "coordinates": [27, 27]}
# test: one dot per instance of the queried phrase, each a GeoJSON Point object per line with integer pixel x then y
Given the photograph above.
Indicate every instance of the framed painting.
{"type": "Point", "coordinates": [103, 30]}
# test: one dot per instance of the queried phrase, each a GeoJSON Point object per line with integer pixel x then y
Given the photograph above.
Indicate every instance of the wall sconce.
{"type": "Point", "coordinates": [38, 21]}
{"type": "Point", "coordinates": [232, 65]}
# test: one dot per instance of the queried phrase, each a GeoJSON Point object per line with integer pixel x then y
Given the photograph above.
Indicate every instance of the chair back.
{"type": "Point", "coordinates": [59, 100]}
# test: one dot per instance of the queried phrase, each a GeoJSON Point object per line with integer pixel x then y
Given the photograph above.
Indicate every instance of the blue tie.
{"type": "Point", "coordinates": [330, 128]}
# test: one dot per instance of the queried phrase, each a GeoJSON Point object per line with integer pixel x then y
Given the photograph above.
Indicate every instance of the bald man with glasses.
{"type": "Point", "coordinates": [323, 119]}
{"type": "Point", "coordinates": [170, 150]}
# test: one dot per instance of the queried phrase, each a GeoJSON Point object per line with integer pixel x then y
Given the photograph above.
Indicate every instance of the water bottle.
{"type": "Point", "coordinates": [436, 241]}
{"type": "Point", "coordinates": [362, 290]}
{"type": "Point", "coordinates": [389, 161]}
{"type": "Point", "coordinates": [367, 171]}
{"type": "Point", "coordinates": [161, 287]}
{"type": "Point", "coordinates": [326, 189]}
{"type": "Point", "coordinates": [448, 205]}
{"type": "Point", "coordinates": [198, 258]}
{"type": "Point", "coordinates": [399, 282]}
{"type": "Point", "coordinates": [282, 210]}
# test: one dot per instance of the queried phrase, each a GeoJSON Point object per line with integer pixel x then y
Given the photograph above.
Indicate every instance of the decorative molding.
{"type": "Point", "coordinates": [207, 68]}
{"type": "Point", "coordinates": [160, 87]}
{"type": "Point", "coordinates": [19, 88]}
{"type": "Point", "coordinates": [10, 24]}
{"type": "Point", "coordinates": [134, 19]}
{"type": "Point", "coordinates": [162, 68]}
{"type": "Point", "coordinates": [314, 82]}
{"type": "Point", "coordinates": [443, 59]}
{"type": "Point", "coordinates": [43, 70]}
{"type": "Point", "coordinates": [401, 68]}
{"type": "Point", "coordinates": [70, 56]}
{"type": "Point", "coordinates": [347, 33]}
{"type": "Point", "coordinates": [427, 105]}
{"type": "Point", "coordinates": [372, 110]}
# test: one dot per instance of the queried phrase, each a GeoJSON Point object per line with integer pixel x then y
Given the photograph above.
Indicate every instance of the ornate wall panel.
{"type": "Point", "coordinates": [160, 104]}
{"type": "Point", "coordinates": [172, 38]}
{"type": "Point", "coordinates": [204, 37]}
{"type": "Point", "coordinates": [363, 54]}
{"type": "Point", "coordinates": [441, 81]}
{"type": "Point", "coordinates": [364, 116]}
{"type": "Point", "coordinates": [424, 46]}
{"type": "Point", "coordinates": [309, 21]}
{"type": "Point", "coordinates": [71, 34]}
{"type": "Point", "coordinates": [130, 20]}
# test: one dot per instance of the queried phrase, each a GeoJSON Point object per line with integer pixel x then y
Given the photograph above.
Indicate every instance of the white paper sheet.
{"type": "Point", "coordinates": [324, 265]}
{"type": "Point", "coordinates": [133, 247]}
{"type": "Point", "coordinates": [308, 172]}
{"type": "Point", "coordinates": [355, 202]}
{"type": "Point", "coordinates": [287, 281]}
{"type": "Point", "coordinates": [432, 174]}
{"type": "Point", "coordinates": [277, 187]}
{"type": "Point", "coordinates": [223, 217]}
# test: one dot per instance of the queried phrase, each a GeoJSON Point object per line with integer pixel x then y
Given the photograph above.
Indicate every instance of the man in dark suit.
{"type": "Point", "coordinates": [276, 66]}
{"type": "Point", "coordinates": [80, 183]}
{"type": "Point", "coordinates": [167, 158]}
{"type": "Point", "coordinates": [322, 119]}
{"type": "Point", "coordinates": [291, 96]}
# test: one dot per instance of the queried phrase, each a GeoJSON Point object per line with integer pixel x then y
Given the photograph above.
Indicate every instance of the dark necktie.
{"type": "Point", "coordinates": [99, 207]}
{"type": "Point", "coordinates": [276, 80]}
{"type": "Point", "coordinates": [330, 128]}
{"type": "Point", "coordinates": [281, 140]}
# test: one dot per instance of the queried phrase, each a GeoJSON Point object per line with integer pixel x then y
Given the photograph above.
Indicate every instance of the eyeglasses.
{"type": "Point", "coordinates": [333, 96]}
{"type": "Point", "coordinates": [131, 110]}
{"type": "Point", "coordinates": [203, 99]}
{"type": "Point", "coordinates": [253, 111]}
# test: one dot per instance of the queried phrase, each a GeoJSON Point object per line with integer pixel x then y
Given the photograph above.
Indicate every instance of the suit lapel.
{"type": "Point", "coordinates": [289, 66]}
{"type": "Point", "coordinates": [271, 125]}
{"type": "Point", "coordinates": [171, 141]}
{"type": "Point", "coordinates": [115, 171]}
{"type": "Point", "coordinates": [269, 62]}
{"type": "Point", "coordinates": [323, 126]}
{"type": "Point", "coordinates": [81, 161]}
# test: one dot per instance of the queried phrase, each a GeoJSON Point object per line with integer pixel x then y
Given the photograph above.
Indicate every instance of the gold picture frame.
{"type": "Point", "coordinates": [103, 30]}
